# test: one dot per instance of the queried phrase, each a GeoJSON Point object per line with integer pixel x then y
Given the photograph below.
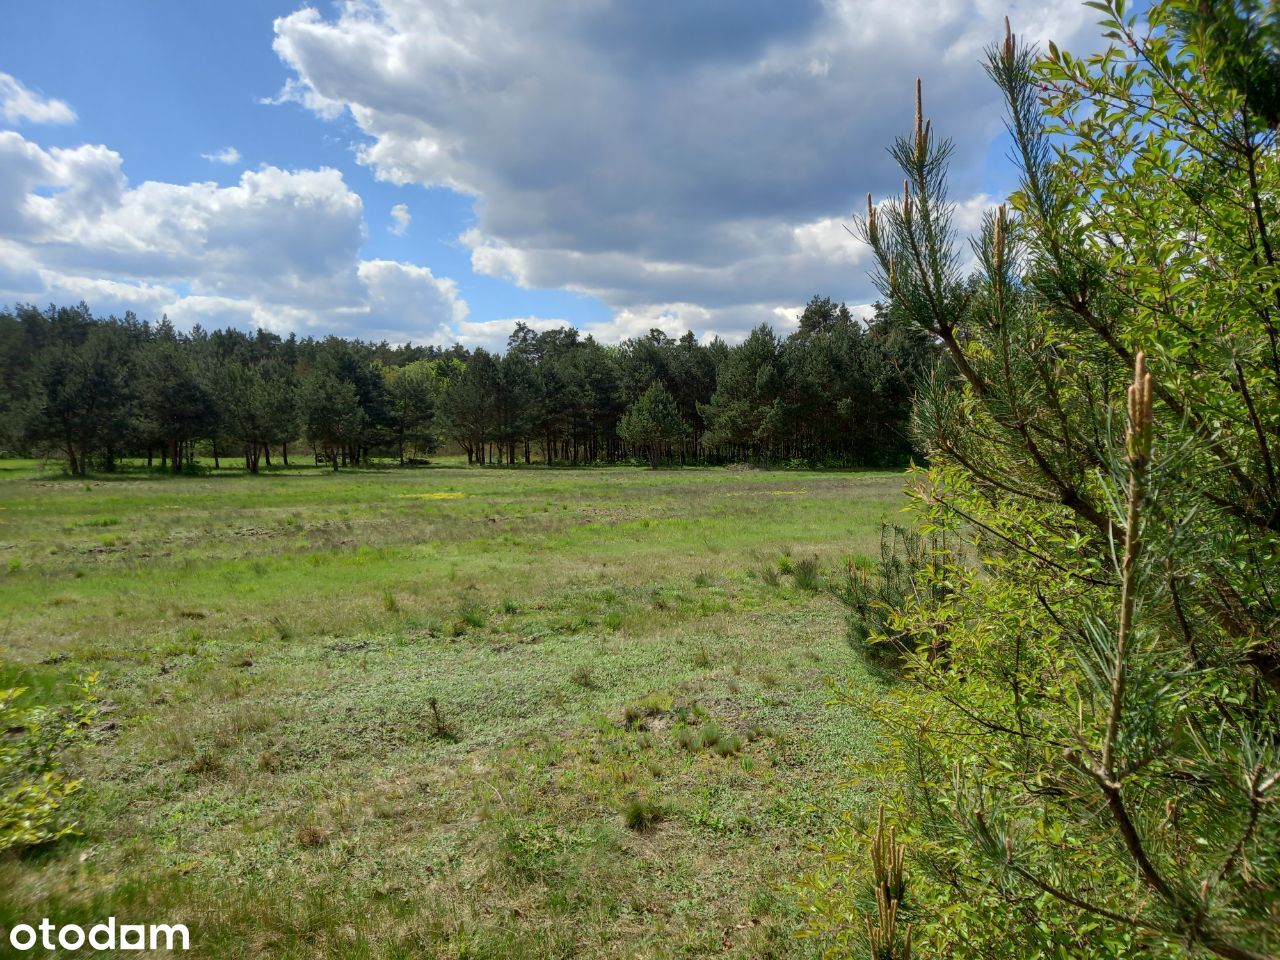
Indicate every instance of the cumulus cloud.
{"type": "Point", "coordinates": [409, 302]}
{"type": "Point", "coordinates": [493, 334]}
{"type": "Point", "coordinates": [400, 219]}
{"type": "Point", "coordinates": [17, 103]}
{"type": "Point", "coordinates": [228, 155]}
{"type": "Point", "coordinates": [669, 157]}
{"type": "Point", "coordinates": [278, 249]}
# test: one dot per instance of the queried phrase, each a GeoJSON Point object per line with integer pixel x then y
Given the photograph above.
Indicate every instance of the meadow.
{"type": "Point", "coordinates": [443, 711]}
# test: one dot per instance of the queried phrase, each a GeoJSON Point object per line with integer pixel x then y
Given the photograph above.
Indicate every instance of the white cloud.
{"type": "Point", "coordinates": [667, 154]}
{"type": "Point", "coordinates": [213, 312]}
{"type": "Point", "coordinates": [673, 319]}
{"type": "Point", "coordinates": [828, 239]}
{"type": "Point", "coordinates": [788, 318]}
{"type": "Point", "coordinates": [400, 219]}
{"type": "Point", "coordinates": [407, 302]}
{"type": "Point", "coordinates": [17, 104]}
{"type": "Point", "coordinates": [228, 155]}
{"type": "Point", "coordinates": [278, 249]}
{"type": "Point", "coordinates": [968, 215]}
{"type": "Point", "coordinates": [493, 334]}
{"type": "Point", "coordinates": [731, 323]}
{"type": "Point", "coordinates": [294, 92]}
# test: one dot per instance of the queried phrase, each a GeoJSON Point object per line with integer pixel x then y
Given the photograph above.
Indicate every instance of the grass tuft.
{"type": "Point", "coordinates": [635, 715]}
{"type": "Point", "coordinates": [807, 574]}
{"type": "Point", "coordinates": [642, 814]}
{"type": "Point", "coordinates": [207, 764]}
{"type": "Point", "coordinates": [710, 737]}
{"type": "Point", "coordinates": [703, 657]}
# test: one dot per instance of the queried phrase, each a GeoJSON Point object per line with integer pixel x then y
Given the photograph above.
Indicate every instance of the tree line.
{"type": "Point", "coordinates": [96, 390]}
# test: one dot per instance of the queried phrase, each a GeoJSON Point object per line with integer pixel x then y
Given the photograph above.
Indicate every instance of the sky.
{"type": "Point", "coordinates": [433, 171]}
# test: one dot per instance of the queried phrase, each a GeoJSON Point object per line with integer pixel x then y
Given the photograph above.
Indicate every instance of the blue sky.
{"type": "Point", "coordinates": [611, 165]}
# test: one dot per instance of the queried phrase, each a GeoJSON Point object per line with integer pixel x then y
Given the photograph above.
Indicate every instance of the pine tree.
{"type": "Point", "coordinates": [653, 424]}
{"type": "Point", "coordinates": [1086, 748]}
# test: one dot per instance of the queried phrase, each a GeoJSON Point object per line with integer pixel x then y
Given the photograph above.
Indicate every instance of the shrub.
{"type": "Point", "coordinates": [33, 790]}
{"type": "Point", "coordinates": [904, 575]}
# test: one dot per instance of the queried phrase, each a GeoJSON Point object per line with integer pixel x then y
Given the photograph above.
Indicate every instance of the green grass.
{"type": "Point", "coordinates": [444, 712]}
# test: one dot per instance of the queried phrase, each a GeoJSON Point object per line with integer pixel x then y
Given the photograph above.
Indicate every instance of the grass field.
{"type": "Point", "coordinates": [440, 712]}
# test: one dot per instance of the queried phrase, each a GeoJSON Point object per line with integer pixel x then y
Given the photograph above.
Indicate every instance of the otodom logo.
{"type": "Point", "coordinates": [101, 936]}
